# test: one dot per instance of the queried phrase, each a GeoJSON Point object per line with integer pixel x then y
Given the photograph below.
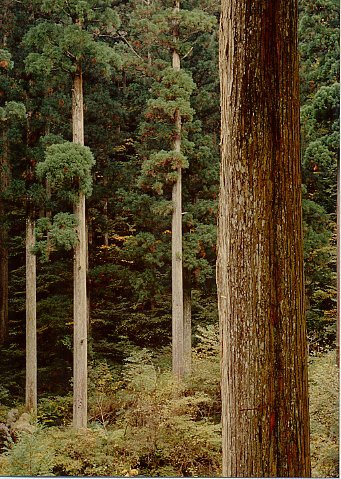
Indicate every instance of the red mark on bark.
{"type": "Point", "coordinates": [273, 315]}
{"type": "Point", "coordinates": [272, 421]}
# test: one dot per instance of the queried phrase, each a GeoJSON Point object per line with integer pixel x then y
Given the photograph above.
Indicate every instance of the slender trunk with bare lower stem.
{"type": "Point", "coordinates": [265, 418]}
{"type": "Point", "coordinates": [338, 263]}
{"type": "Point", "coordinates": [5, 175]}
{"type": "Point", "coordinates": [177, 283]}
{"type": "Point", "coordinates": [31, 322]}
{"type": "Point", "coordinates": [187, 321]}
{"type": "Point", "coordinates": [4, 182]}
{"type": "Point", "coordinates": [79, 280]}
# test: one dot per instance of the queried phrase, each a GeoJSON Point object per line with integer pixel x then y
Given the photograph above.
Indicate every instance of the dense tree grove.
{"type": "Point", "coordinates": [144, 77]}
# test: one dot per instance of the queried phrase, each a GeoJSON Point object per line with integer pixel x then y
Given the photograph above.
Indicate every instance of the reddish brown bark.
{"type": "Point", "coordinates": [260, 261]}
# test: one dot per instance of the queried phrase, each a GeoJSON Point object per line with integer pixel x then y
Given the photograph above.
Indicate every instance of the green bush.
{"type": "Point", "coordinates": [66, 452]}
{"type": "Point", "coordinates": [143, 422]}
{"type": "Point", "coordinates": [167, 422]}
{"type": "Point", "coordinates": [55, 411]}
{"type": "Point", "coordinates": [324, 415]}
{"type": "Point", "coordinates": [30, 456]}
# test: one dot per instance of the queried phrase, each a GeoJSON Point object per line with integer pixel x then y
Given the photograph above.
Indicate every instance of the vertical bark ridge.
{"type": "Point", "coordinates": [260, 265]}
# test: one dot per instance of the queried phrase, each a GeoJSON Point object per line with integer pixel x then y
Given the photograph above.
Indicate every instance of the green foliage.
{"type": "Point", "coordinates": [68, 39]}
{"type": "Point", "coordinates": [12, 111]}
{"type": "Point", "coordinates": [29, 456]}
{"type": "Point", "coordinates": [319, 65]}
{"type": "Point", "coordinates": [324, 415]}
{"type": "Point", "coordinates": [145, 424]}
{"type": "Point", "coordinates": [67, 166]}
{"type": "Point", "coordinates": [55, 234]}
{"type": "Point", "coordinates": [102, 387]}
{"type": "Point", "coordinates": [319, 42]}
{"type": "Point", "coordinates": [159, 168]}
{"type": "Point", "coordinates": [87, 12]}
{"type": "Point", "coordinates": [55, 411]}
{"type": "Point", "coordinates": [168, 421]}
{"type": "Point", "coordinates": [6, 62]}
{"type": "Point", "coordinates": [66, 453]}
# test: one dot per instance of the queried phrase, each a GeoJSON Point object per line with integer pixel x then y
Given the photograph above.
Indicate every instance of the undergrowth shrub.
{"type": "Point", "coordinates": [65, 452]}
{"type": "Point", "coordinates": [103, 383]}
{"type": "Point", "coordinates": [31, 455]}
{"type": "Point", "coordinates": [168, 421]}
{"type": "Point", "coordinates": [324, 415]}
{"type": "Point", "coordinates": [143, 422]}
{"type": "Point", "coordinates": [55, 411]}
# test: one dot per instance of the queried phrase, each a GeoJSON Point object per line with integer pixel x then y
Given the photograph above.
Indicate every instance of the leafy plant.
{"type": "Point", "coordinates": [324, 415]}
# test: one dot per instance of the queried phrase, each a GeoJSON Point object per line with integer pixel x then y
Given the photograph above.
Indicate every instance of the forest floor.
{"type": "Point", "coordinates": [142, 423]}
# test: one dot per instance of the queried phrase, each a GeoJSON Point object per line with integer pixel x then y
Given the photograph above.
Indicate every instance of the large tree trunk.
{"type": "Point", "coordinates": [4, 182]}
{"type": "Point", "coordinates": [31, 321]}
{"type": "Point", "coordinates": [79, 281]}
{"type": "Point", "coordinates": [177, 286]}
{"type": "Point", "coordinates": [260, 261]}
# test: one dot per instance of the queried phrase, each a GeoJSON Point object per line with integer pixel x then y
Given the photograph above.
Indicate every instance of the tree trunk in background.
{"type": "Point", "coordinates": [187, 321]}
{"type": "Point", "coordinates": [4, 182]}
{"type": "Point", "coordinates": [31, 321]}
{"type": "Point", "coordinates": [88, 232]}
{"type": "Point", "coordinates": [265, 417]}
{"type": "Point", "coordinates": [105, 213]}
{"type": "Point", "coordinates": [79, 295]}
{"type": "Point", "coordinates": [177, 283]}
{"type": "Point", "coordinates": [338, 226]}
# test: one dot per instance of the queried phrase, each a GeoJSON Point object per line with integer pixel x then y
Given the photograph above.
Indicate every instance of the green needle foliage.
{"type": "Point", "coordinates": [56, 234]}
{"type": "Point", "coordinates": [67, 167]}
{"type": "Point", "coordinates": [68, 37]}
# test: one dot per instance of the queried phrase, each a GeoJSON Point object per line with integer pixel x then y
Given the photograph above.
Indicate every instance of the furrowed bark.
{"type": "Point", "coordinates": [260, 260]}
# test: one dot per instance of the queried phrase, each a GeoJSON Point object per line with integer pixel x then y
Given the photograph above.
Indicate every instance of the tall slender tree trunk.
{"type": "Point", "coordinates": [338, 264]}
{"type": "Point", "coordinates": [4, 182]}
{"type": "Point", "coordinates": [265, 417]}
{"type": "Point", "coordinates": [79, 295]}
{"type": "Point", "coordinates": [105, 212]}
{"type": "Point", "coordinates": [177, 283]}
{"type": "Point", "coordinates": [187, 321]}
{"type": "Point", "coordinates": [31, 321]}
